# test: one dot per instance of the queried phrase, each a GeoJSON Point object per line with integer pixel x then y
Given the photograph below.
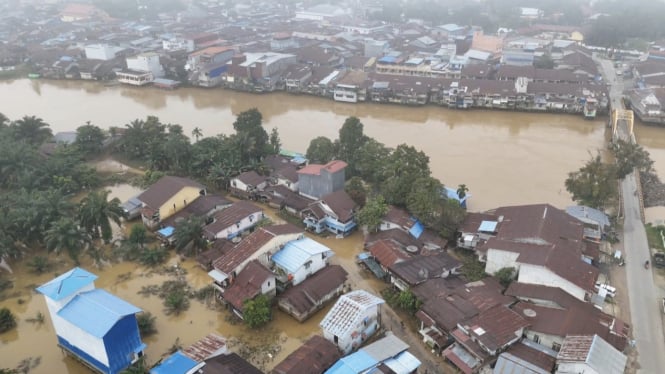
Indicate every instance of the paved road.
{"type": "Point", "coordinates": [644, 299]}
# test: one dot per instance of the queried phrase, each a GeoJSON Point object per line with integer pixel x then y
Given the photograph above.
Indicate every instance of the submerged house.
{"type": "Point", "coordinates": [335, 213]}
{"type": "Point", "coordinates": [95, 327]}
{"type": "Point", "coordinates": [166, 197]}
{"type": "Point", "coordinates": [300, 259]}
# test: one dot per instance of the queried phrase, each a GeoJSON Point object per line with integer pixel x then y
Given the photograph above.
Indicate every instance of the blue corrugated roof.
{"type": "Point", "coordinates": [96, 311]}
{"type": "Point", "coordinates": [176, 363]}
{"type": "Point", "coordinates": [417, 229]}
{"type": "Point", "coordinates": [296, 252]}
{"type": "Point", "coordinates": [66, 284]}
{"type": "Point", "coordinates": [166, 231]}
{"type": "Point", "coordinates": [354, 363]}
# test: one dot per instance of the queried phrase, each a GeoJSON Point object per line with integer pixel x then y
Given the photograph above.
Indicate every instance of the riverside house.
{"type": "Point", "coordinates": [166, 197]}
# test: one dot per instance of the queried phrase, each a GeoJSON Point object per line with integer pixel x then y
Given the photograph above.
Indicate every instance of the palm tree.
{"type": "Point", "coordinates": [96, 213]}
{"type": "Point", "coordinates": [31, 129]}
{"type": "Point", "coordinates": [189, 235]}
{"type": "Point", "coordinates": [462, 189]}
{"type": "Point", "coordinates": [65, 234]}
{"type": "Point", "coordinates": [197, 133]}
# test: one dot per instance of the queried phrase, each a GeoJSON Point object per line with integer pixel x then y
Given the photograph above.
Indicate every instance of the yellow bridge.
{"type": "Point", "coordinates": [626, 116]}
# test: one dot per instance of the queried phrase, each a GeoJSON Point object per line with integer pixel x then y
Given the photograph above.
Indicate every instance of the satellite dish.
{"type": "Point", "coordinates": [412, 249]}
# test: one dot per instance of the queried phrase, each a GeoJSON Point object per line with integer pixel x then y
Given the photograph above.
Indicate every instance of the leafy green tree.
{"type": "Point", "coordinates": [257, 313]}
{"type": "Point", "coordinates": [356, 190]}
{"type": "Point", "coordinates": [32, 130]}
{"type": "Point", "coordinates": [371, 161]}
{"type": "Point", "coordinates": [505, 275]}
{"type": "Point", "coordinates": [372, 213]}
{"type": "Point", "coordinates": [7, 320]}
{"type": "Point", "coordinates": [189, 236]}
{"type": "Point", "coordinates": [65, 234]}
{"type": "Point", "coordinates": [275, 142]}
{"type": "Point", "coordinates": [630, 156]}
{"type": "Point", "coordinates": [96, 213]}
{"type": "Point", "coordinates": [321, 150]}
{"type": "Point", "coordinates": [351, 139]}
{"type": "Point", "coordinates": [146, 322]}
{"type": "Point", "coordinates": [594, 185]}
{"type": "Point", "coordinates": [89, 139]}
{"type": "Point", "coordinates": [404, 165]}
{"type": "Point", "coordinates": [252, 138]}
{"type": "Point", "coordinates": [451, 217]}
{"type": "Point", "coordinates": [153, 257]}
{"type": "Point", "coordinates": [424, 199]}
{"type": "Point", "coordinates": [408, 301]}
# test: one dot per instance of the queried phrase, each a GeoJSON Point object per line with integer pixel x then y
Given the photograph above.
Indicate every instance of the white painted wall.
{"type": "Point", "coordinates": [345, 343]}
{"type": "Point", "coordinates": [498, 259]}
{"type": "Point", "coordinates": [54, 306]}
{"type": "Point", "coordinates": [77, 337]}
{"type": "Point", "coordinates": [244, 224]}
{"type": "Point", "coordinates": [546, 340]}
{"type": "Point", "coordinates": [303, 272]}
{"type": "Point", "coordinates": [146, 62]}
{"type": "Point", "coordinates": [100, 52]}
{"type": "Point", "coordinates": [533, 274]}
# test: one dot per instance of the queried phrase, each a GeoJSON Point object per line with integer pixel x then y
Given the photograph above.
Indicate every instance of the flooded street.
{"type": "Point", "coordinates": [503, 157]}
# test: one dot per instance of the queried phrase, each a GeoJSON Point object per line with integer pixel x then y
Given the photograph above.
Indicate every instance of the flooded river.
{"type": "Point", "coordinates": [504, 158]}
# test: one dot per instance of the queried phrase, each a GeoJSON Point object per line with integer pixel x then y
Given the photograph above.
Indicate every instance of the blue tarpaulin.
{"type": "Point", "coordinates": [166, 231]}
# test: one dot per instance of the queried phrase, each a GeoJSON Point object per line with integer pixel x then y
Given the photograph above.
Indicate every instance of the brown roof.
{"type": "Point", "coordinates": [247, 285]}
{"type": "Point", "coordinates": [218, 249]}
{"type": "Point", "coordinates": [477, 71]}
{"type": "Point", "coordinates": [496, 327]}
{"type": "Point", "coordinates": [313, 357]}
{"type": "Point", "coordinates": [201, 206]}
{"type": "Point", "coordinates": [342, 204]}
{"type": "Point", "coordinates": [231, 215]}
{"type": "Point", "coordinates": [650, 67]}
{"type": "Point", "coordinates": [398, 235]}
{"type": "Point", "coordinates": [228, 262]}
{"type": "Point", "coordinates": [513, 72]}
{"type": "Point", "coordinates": [309, 293]}
{"type": "Point", "coordinates": [399, 217]}
{"type": "Point", "coordinates": [162, 190]}
{"type": "Point", "coordinates": [251, 178]}
{"type": "Point", "coordinates": [533, 356]}
{"type": "Point", "coordinates": [387, 252]}
{"type": "Point", "coordinates": [420, 268]}
{"type": "Point", "coordinates": [531, 292]}
{"type": "Point", "coordinates": [473, 220]}
{"type": "Point", "coordinates": [229, 364]}
{"type": "Point", "coordinates": [571, 321]}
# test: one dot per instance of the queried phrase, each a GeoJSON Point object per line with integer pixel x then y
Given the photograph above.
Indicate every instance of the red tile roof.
{"type": "Point", "coordinates": [496, 327]}
{"type": "Point", "coordinates": [206, 347]}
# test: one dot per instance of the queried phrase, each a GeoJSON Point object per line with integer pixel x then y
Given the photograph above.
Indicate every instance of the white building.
{"type": "Point", "coordinates": [233, 221]}
{"type": "Point", "coordinates": [299, 259]}
{"type": "Point", "coordinates": [101, 52]}
{"type": "Point", "coordinates": [589, 355]}
{"type": "Point", "coordinates": [146, 62]}
{"type": "Point", "coordinates": [178, 44]}
{"type": "Point", "coordinates": [354, 318]}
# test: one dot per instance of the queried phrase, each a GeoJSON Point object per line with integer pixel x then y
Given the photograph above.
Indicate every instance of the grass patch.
{"type": "Point", "coordinates": [653, 236]}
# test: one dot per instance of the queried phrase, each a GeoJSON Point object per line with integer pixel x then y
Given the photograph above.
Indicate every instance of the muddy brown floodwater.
{"type": "Point", "coordinates": [505, 158]}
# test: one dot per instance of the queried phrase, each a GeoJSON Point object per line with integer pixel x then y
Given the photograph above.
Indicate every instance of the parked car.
{"type": "Point", "coordinates": [659, 259]}
{"type": "Point", "coordinates": [611, 291]}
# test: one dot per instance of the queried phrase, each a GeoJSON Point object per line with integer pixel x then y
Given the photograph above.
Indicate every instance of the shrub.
{"type": "Point", "coordinates": [7, 320]}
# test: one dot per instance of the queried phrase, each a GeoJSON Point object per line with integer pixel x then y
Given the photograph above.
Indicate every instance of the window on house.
{"type": "Point", "coordinates": [556, 346]}
{"type": "Point", "coordinates": [184, 202]}
{"type": "Point", "coordinates": [336, 339]}
{"type": "Point", "coordinates": [536, 338]}
{"type": "Point", "coordinates": [268, 283]}
{"type": "Point", "coordinates": [308, 264]}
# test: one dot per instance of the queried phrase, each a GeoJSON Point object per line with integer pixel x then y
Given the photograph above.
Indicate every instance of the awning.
{"type": "Point", "coordinates": [374, 267]}
{"type": "Point", "coordinates": [217, 275]}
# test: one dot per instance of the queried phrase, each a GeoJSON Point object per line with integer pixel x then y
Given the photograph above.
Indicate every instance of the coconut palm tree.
{"type": "Point", "coordinates": [462, 189]}
{"type": "Point", "coordinates": [197, 133]}
{"type": "Point", "coordinates": [31, 129]}
{"type": "Point", "coordinates": [189, 235]}
{"type": "Point", "coordinates": [65, 234]}
{"type": "Point", "coordinates": [96, 213]}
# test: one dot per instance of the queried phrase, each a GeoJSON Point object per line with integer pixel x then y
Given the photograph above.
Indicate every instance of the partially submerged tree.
{"type": "Point", "coordinates": [257, 312]}
{"type": "Point", "coordinates": [630, 156]}
{"type": "Point", "coordinates": [96, 213]}
{"type": "Point", "coordinates": [372, 213]}
{"type": "Point", "coordinates": [189, 236]}
{"type": "Point", "coordinates": [7, 320]}
{"type": "Point", "coordinates": [356, 190]}
{"type": "Point", "coordinates": [594, 185]}
{"type": "Point", "coordinates": [89, 139]}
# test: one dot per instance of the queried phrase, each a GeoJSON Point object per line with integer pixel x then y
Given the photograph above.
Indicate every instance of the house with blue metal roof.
{"type": "Point", "coordinates": [389, 352]}
{"type": "Point", "coordinates": [94, 326]}
{"type": "Point", "coordinates": [299, 259]}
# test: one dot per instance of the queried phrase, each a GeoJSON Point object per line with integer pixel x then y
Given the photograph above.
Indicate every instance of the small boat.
{"type": "Point", "coordinates": [590, 107]}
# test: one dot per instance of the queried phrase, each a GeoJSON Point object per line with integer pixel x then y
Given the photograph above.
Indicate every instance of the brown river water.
{"type": "Point", "coordinates": [505, 158]}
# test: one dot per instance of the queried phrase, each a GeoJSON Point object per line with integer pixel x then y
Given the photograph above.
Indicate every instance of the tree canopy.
{"type": "Point", "coordinates": [321, 150]}
{"type": "Point", "coordinates": [256, 312]}
{"type": "Point", "coordinates": [594, 184]}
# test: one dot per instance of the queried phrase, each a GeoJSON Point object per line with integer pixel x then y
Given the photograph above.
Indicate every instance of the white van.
{"type": "Point", "coordinates": [609, 290]}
